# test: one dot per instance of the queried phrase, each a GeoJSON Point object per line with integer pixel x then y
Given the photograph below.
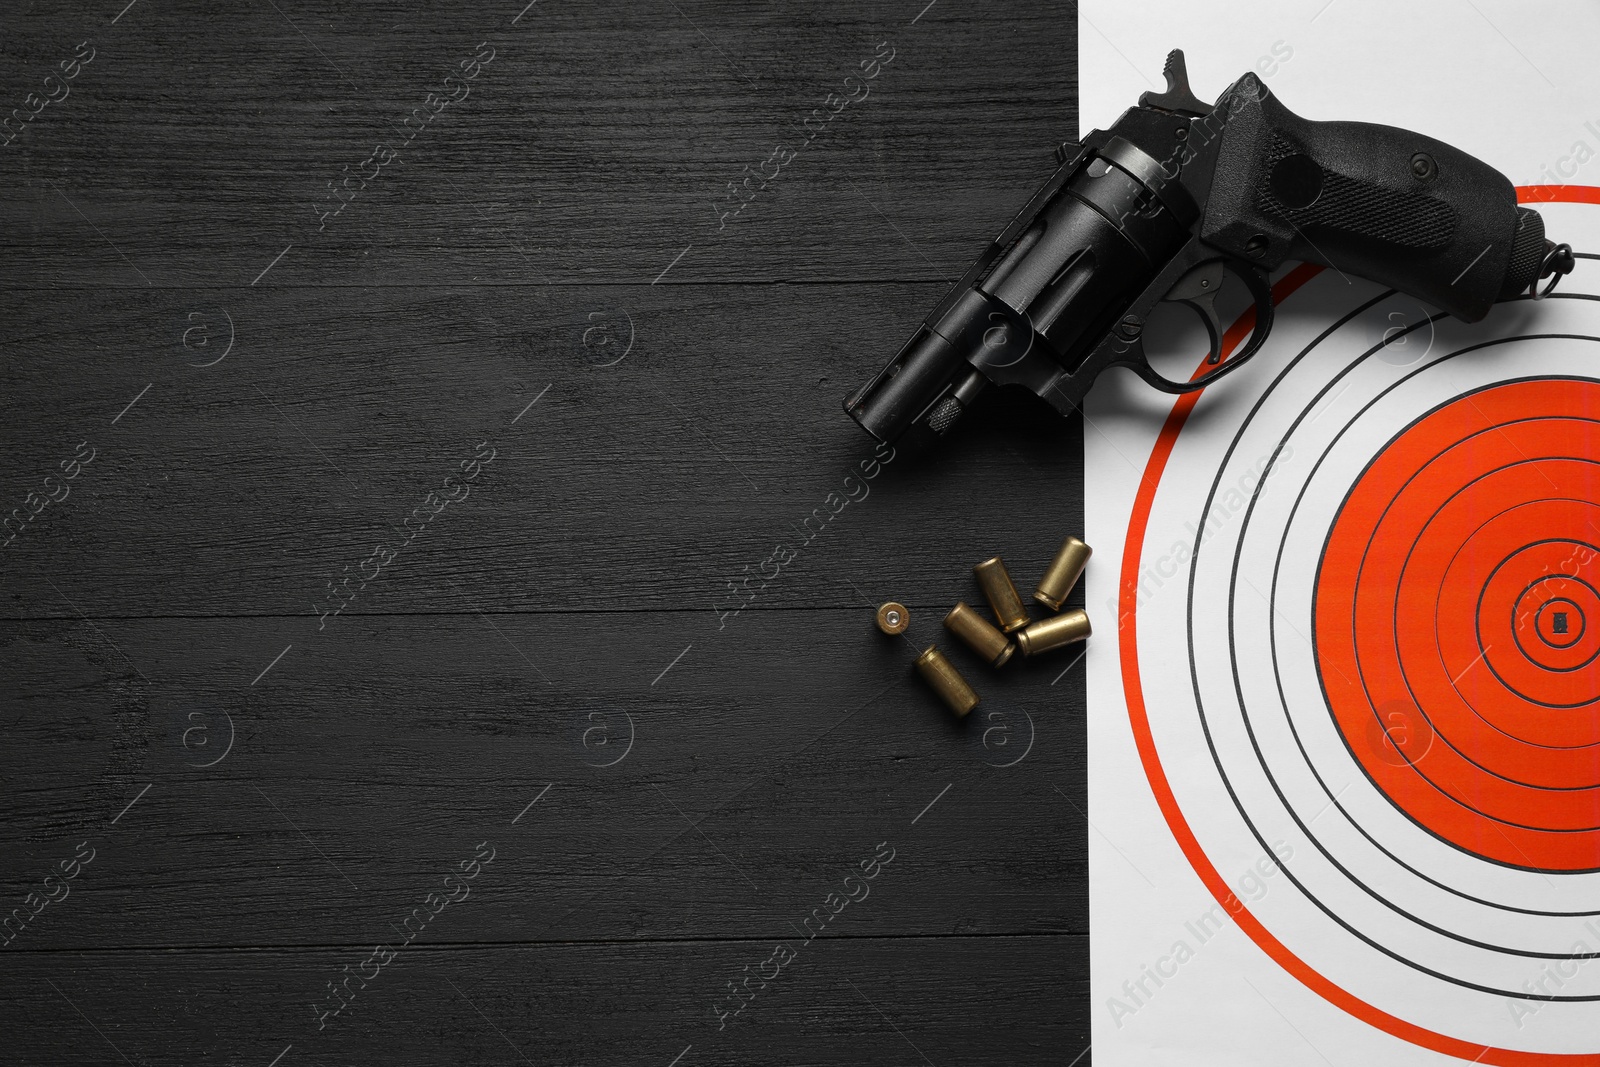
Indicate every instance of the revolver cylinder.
{"type": "Point", "coordinates": [1082, 257]}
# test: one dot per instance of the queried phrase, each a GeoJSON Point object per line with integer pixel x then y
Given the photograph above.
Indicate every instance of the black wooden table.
{"type": "Point", "coordinates": [438, 573]}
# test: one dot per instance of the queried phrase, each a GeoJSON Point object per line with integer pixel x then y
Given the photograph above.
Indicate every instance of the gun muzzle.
{"type": "Point", "coordinates": [928, 387]}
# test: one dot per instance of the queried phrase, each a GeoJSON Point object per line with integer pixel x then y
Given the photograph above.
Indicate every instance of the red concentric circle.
{"type": "Point", "coordinates": [1458, 580]}
{"type": "Point", "coordinates": [1403, 733]}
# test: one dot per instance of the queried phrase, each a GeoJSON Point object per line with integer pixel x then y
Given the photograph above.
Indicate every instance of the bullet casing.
{"type": "Point", "coordinates": [1063, 573]}
{"type": "Point", "coordinates": [1001, 593]}
{"type": "Point", "coordinates": [893, 618]}
{"type": "Point", "coordinates": [1054, 632]}
{"type": "Point", "coordinates": [942, 676]}
{"type": "Point", "coordinates": [979, 634]}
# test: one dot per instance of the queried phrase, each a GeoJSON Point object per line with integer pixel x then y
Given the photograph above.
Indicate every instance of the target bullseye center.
{"type": "Point", "coordinates": [1559, 622]}
{"type": "Point", "coordinates": [1455, 595]}
{"type": "Point", "coordinates": [1550, 628]}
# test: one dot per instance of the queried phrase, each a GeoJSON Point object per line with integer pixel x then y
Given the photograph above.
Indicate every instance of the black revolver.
{"type": "Point", "coordinates": [1161, 206]}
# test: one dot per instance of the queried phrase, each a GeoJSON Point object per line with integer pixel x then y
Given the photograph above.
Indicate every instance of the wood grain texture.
{"type": "Point", "coordinates": [592, 148]}
{"type": "Point", "coordinates": [897, 1001]}
{"type": "Point", "coordinates": [275, 747]}
{"type": "Point", "coordinates": [793, 741]}
{"type": "Point", "coordinates": [648, 484]}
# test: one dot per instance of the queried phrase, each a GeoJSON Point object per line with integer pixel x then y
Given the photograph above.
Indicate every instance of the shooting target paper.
{"type": "Point", "coordinates": [1344, 688]}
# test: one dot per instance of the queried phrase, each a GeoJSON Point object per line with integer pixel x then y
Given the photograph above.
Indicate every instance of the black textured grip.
{"type": "Point", "coordinates": [1527, 254]}
{"type": "Point", "coordinates": [1364, 209]}
{"type": "Point", "coordinates": [1374, 202]}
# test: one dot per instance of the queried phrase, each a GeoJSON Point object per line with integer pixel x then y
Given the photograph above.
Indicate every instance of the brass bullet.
{"type": "Point", "coordinates": [979, 635]}
{"type": "Point", "coordinates": [1063, 573]}
{"type": "Point", "coordinates": [1054, 632]}
{"type": "Point", "coordinates": [893, 618]}
{"type": "Point", "coordinates": [942, 675]}
{"type": "Point", "coordinates": [1001, 592]}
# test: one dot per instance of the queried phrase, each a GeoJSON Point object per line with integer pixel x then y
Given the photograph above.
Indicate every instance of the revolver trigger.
{"type": "Point", "coordinates": [1198, 289]}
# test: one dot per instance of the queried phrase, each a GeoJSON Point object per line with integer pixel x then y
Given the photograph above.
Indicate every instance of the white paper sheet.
{"type": "Point", "coordinates": [1377, 928]}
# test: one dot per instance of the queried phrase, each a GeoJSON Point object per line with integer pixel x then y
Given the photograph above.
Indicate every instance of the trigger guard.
{"type": "Point", "coordinates": [1261, 293]}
